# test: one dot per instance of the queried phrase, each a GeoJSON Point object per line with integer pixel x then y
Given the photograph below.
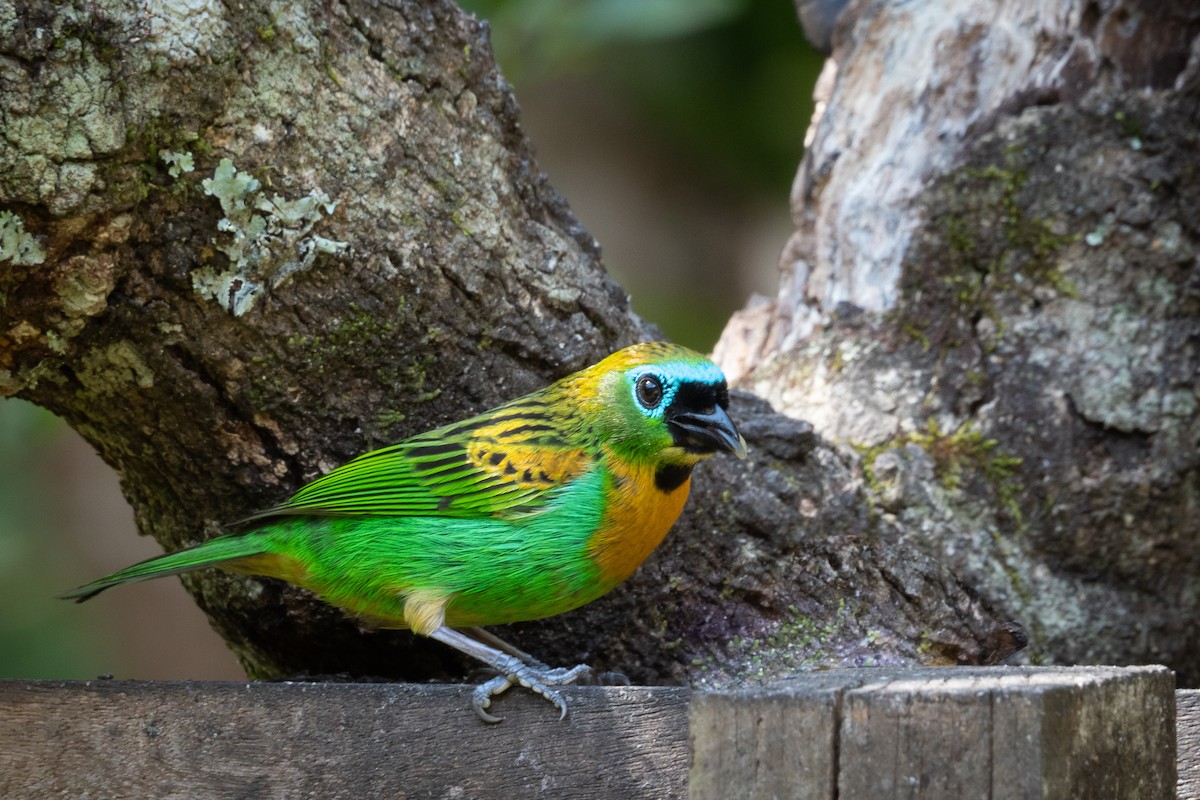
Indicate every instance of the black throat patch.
{"type": "Point", "coordinates": [670, 477]}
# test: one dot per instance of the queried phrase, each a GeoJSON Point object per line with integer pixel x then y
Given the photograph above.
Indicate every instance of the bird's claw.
{"type": "Point", "coordinates": [481, 698]}
{"type": "Point", "coordinates": [535, 679]}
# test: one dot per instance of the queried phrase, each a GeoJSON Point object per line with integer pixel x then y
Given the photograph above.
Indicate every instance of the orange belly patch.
{"type": "Point", "coordinates": [638, 516]}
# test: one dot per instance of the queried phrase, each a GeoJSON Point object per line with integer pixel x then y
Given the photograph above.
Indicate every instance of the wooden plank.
{"type": "Point", "coordinates": [941, 733]}
{"type": "Point", "coordinates": [103, 739]}
{"type": "Point", "coordinates": [773, 742]}
{"type": "Point", "coordinates": [946, 732]}
{"type": "Point", "coordinates": [916, 735]}
{"type": "Point", "coordinates": [1105, 732]}
{"type": "Point", "coordinates": [1011, 733]}
{"type": "Point", "coordinates": [1187, 747]}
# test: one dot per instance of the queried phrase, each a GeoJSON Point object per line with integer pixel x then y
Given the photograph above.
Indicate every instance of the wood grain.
{"type": "Point", "coordinates": [996, 732]}
{"type": "Point", "coordinates": [287, 740]}
{"type": "Point", "coordinates": [1187, 743]}
{"type": "Point", "coordinates": [941, 733]}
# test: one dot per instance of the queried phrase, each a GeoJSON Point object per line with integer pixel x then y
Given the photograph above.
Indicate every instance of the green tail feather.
{"type": "Point", "coordinates": [225, 548]}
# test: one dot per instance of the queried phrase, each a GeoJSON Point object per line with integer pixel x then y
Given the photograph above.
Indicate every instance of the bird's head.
{"type": "Point", "coordinates": [661, 403]}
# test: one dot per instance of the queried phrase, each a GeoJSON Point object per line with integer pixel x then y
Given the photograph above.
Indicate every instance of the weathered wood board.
{"type": "Point", "coordinates": [996, 732]}
{"type": "Point", "coordinates": [870, 733]}
{"type": "Point", "coordinates": [1187, 744]}
{"type": "Point", "coordinates": [181, 741]}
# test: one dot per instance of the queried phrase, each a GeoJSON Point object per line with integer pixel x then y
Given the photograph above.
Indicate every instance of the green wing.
{"type": "Point", "coordinates": [503, 463]}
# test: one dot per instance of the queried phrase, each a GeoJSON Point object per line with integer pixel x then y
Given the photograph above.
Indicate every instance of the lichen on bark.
{"type": "Point", "coordinates": [394, 121]}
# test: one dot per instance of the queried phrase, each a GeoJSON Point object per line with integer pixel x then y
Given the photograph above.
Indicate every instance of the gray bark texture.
{"type": "Point", "coordinates": [241, 244]}
{"type": "Point", "coordinates": [993, 296]}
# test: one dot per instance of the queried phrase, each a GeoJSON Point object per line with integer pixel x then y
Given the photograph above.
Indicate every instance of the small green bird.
{"type": "Point", "coordinates": [526, 511]}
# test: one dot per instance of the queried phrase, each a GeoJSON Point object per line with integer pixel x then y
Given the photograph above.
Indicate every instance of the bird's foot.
{"type": "Point", "coordinates": [514, 667]}
{"type": "Point", "coordinates": [536, 679]}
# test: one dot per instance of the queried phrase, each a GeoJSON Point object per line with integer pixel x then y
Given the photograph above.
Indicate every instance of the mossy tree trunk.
{"type": "Point", "coordinates": [993, 294]}
{"type": "Point", "coordinates": [242, 245]}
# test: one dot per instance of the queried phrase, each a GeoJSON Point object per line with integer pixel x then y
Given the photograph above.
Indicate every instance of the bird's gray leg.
{"type": "Point", "coordinates": [589, 678]}
{"type": "Point", "coordinates": [512, 670]}
{"type": "Point", "coordinates": [492, 640]}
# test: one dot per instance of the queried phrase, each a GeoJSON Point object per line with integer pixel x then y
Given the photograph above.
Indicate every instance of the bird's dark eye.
{"type": "Point", "coordinates": [649, 391]}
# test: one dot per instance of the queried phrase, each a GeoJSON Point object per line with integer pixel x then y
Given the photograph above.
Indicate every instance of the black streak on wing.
{"type": "Point", "coordinates": [435, 449]}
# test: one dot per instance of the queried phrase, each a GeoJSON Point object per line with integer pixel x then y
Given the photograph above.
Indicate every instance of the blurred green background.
{"type": "Point", "coordinates": [673, 128]}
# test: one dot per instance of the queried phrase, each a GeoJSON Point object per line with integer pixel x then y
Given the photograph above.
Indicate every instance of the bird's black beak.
{"type": "Point", "coordinates": [706, 432]}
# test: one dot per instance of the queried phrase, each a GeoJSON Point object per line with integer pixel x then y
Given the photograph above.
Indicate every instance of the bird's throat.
{"type": "Point", "coordinates": [639, 510]}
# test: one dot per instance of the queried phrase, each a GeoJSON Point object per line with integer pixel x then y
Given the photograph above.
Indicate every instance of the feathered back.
{"type": "Point", "coordinates": [509, 460]}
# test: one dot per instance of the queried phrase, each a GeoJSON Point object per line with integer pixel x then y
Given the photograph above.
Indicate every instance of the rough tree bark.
{"type": "Point", "coordinates": [241, 244]}
{"type": "Point", "coordinates": [993, 295]}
